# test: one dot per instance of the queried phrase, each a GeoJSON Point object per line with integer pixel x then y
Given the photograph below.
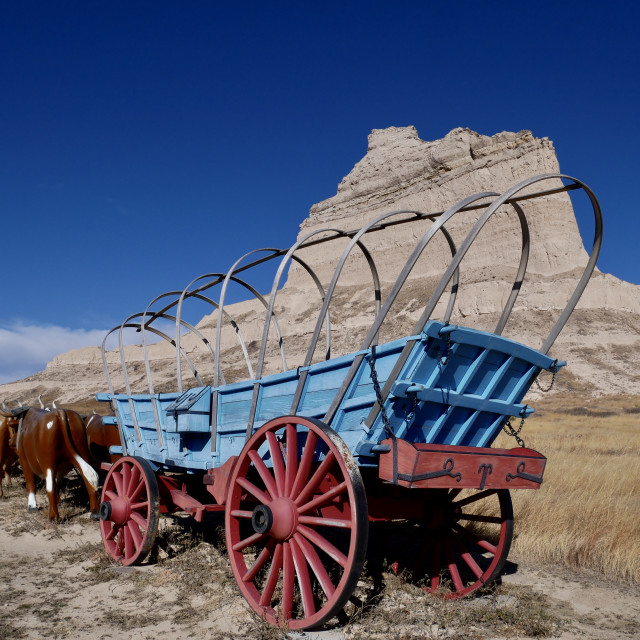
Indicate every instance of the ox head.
{"type": "Point", "coordinates": [10, 422]}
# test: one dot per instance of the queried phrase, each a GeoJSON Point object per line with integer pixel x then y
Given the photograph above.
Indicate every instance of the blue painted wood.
{"type": "Point", "coordinates": [464, 401]}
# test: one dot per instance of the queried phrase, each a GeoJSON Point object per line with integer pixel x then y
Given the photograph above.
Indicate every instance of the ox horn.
{"type": "Point", "coordinates": [4, 404]}
{"type": "Point", "coordinates": [19, 403]}
{"type": "Point", "coordinates": [54, 405]}
{"type": "Point", "coordinates": [40, 401]}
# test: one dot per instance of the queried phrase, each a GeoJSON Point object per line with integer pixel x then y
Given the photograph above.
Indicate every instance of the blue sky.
{"type": "Point", "coordinates": [145, 143]}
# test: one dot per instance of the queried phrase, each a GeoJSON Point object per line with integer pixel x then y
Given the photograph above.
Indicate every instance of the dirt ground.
{"type": "Point", "coordinates": [57, 582]}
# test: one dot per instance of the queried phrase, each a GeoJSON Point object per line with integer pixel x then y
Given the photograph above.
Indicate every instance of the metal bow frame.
{"type": "Point", "coordinates": [169, 307]}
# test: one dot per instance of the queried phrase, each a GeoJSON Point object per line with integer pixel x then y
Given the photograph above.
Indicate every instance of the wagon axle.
{"type": "Point", "coordinates": [262, 519]}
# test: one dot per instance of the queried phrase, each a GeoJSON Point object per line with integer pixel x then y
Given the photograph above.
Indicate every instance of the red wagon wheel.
{"type": "Point", "coordinates": [129, 510]}
{"type": "Point", "coordinates": [464, 541]}
{"type": "Point", "coordinates": [296, 522]}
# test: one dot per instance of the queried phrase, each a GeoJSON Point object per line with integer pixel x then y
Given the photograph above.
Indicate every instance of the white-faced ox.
{"type": "Point", "coordinates": [49, 445]}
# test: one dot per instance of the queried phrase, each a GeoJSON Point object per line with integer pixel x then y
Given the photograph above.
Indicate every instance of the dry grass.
{"type": "Point", "coordinates": [587, 512]}
{"type": "Point", "coordinates": [402, 610]}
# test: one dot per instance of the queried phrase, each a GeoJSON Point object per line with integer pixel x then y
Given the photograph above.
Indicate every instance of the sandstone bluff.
{"type": "Point", "coordinates": [601, 342]}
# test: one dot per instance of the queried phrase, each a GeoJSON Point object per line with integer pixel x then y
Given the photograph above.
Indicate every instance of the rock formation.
{"type": "Point", "coordinates": [601, 342]}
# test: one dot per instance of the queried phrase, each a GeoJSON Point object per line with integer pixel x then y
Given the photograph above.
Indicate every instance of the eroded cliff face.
{"type": "Point", "coordinates": [400, 171]}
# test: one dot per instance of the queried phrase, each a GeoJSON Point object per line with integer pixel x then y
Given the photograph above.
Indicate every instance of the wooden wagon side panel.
{"type": "Point", "coordinates": [432, 466]}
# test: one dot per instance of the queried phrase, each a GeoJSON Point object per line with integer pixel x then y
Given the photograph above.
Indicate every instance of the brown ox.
{"type": "Point", "coordinates": [50, 444]}
{"type": "Point", "coordinates": [101, 434]}
{"type": "Point", "coordinates": [8, 454]}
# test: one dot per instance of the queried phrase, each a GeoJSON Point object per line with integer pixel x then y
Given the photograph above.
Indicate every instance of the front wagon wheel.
{"type": "Point", "coordinates": [296, 522]}
{"type": "Point", "coordinates": [129, 510]}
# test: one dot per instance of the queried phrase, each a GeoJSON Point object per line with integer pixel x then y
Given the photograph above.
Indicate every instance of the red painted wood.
{"type": "Point", "coordinates": [462, 467]}
{"type": "Point", "coordinates": [217, 480]}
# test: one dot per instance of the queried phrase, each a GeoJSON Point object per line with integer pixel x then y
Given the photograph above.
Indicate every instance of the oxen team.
{"type": "Point", "coordinates": [48, 443]}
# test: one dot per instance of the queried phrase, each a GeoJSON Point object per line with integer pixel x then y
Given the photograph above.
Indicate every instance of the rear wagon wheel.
{"type": "Point", "coordinates": [462, 543]}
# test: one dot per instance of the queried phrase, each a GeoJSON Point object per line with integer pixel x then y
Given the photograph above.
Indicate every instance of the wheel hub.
{"type": "Point", "coordinates": [117, 510]}
{"type": "Point", "coordinates": [440, 515]}
{"type": "Point", "coordinates": [279, 518]}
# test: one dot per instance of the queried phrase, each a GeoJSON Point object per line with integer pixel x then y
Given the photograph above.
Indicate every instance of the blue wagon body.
{"type": "Point", "coordinates": [463, 398]}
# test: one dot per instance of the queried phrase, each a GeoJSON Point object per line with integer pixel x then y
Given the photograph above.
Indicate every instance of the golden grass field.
{"type": "Point", "coordinates": [587, 512]}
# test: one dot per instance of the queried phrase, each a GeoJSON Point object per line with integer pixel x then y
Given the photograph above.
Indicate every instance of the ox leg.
{"type": "Point", "coordinates": [7, 478]}
{"type": "Point", "coordinates": [30, 483]}
{"type": "Point", "coordinates": [52, 493]}
{"type": "Point", "coordinates": [90, 478]}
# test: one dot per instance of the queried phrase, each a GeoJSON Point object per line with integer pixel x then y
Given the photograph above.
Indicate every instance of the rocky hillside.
{"type": "Point", "coordinates": [601, 342]}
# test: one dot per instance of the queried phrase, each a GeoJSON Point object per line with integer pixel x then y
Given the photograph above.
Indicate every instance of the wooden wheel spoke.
{"type": "Point", "coordinates": [452, 567]}
{"type": "Point", "coordinates": [324, 498]}
{"type": "Point", "coordinates": [128, 542]}
{"type": "Point", "coordinates": [322, 543]}
{"type": "Point", "coordinates": [113, 532]}
{"type": "Point", "coordinates": [473, 517]}
{"type": "Point", "coordinates": [319, 521]}
{"type": "Point", "coordinates": [126, 479]}
{"type": "Point", "coordinates": [316, 565]}
{"type": "Point", "coordinates": [239, 513]}
{"type": "Point", "coordinates": [260, 561]}
{"type": "Point", "coordinates": [139, 506]}
{"type": "Point", "coordinates": [140, 520]}
{"type": "Point", "coordinates": [260, 495]}
{"type": "Point", "coordinates": [304, 582]}
{"type": "Point", "coordinates": [138, 490]}
{"type": "Point", "coordinates": [110, 495]}
{"type": "Point", "coordinates": [247, 542]}
{"type": "Point", "coordinates": [291, 458]}
{"type": "Point", "coordinates": [305, 464]}
{"type": "Point", "coordinates": [134, 481]}
{"type": "Point", "coordinates": [272, 578]}
{"type": "Point", "coordinates": [120, 542]}
{"type": "Point", "coordinates": [436, 567]}
{"type": "Point", "coordinates": [117, 481]}
{"type": "Point", "coordinates": [467, 557]}
{"type": "Point", "coordinates": [475, 497]}
{"type": "Point", "coordinates": [288, 576]}
{"type": "Point", "coordinates": [136, 536]}
{"type": "Point", "coordinates": [264, 473]}
{"type": "Point", "coordinates": [278, 463]}
{"type": "Point", "coordinates": [453, 493]}
{"type": "Point", "coordinates": [316, 479]}
{"type": "Point", "coordinates": [483, 544]}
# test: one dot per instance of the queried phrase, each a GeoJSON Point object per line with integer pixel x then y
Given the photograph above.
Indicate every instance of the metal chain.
{"type": "Point", "coordinates": [376, 388]}
{"type": "Point", "coordinates": [512, 432]}
{"type": "Point", "coordinates": [554, 370]}
{"type": "Point", "coordinates": [412, 412]}
{"type": "Point", "coordinates": [441, 360]}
